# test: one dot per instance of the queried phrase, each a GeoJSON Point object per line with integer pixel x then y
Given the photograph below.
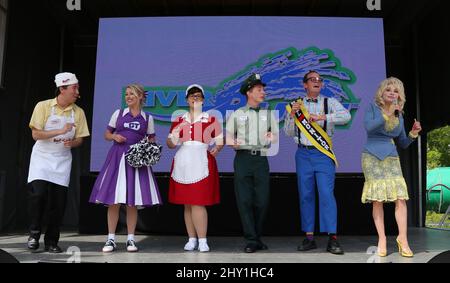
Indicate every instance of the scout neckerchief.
{"type": "Point", "coordinates": [312, 131]}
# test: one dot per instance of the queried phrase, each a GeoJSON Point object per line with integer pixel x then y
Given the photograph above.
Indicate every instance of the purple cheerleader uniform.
{"type": "Point", "coordinates": [118, 182]}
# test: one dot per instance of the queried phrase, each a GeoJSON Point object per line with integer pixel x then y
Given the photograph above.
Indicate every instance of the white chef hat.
{"type": "Point", "coordinates": [63, 79]}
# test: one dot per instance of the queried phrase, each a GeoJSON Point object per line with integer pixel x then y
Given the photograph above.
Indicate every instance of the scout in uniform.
{"type": "Point", "coordinates": [310, 121]}
{"type": "Point", "coordinates": [251, 131]}
{"type": "Point", "coordinates": [57, 125]}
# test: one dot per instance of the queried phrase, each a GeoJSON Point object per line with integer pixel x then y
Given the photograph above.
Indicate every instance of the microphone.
{"type": "Point", "coordinates": [396, 112]}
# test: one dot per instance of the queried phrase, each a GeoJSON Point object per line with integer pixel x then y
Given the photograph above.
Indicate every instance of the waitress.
{"type": "Point", "coordinates": [194, 180]}
{"type": "Point", "coordinates": [57, 125]}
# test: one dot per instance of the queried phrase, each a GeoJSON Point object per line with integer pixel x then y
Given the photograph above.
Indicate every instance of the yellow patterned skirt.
{"type": "Point", "coordinates": [384, 180]}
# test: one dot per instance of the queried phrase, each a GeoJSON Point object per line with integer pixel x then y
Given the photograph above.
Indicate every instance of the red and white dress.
{"type": "Point", "coordinates": [194, 178]}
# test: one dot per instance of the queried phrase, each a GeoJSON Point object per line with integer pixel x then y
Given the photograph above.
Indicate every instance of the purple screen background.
{"type": "Point", "coordinates": [179, 51]}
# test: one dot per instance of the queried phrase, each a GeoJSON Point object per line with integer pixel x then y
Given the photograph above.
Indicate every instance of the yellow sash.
{"type": "Point", "coordinates": [312, 131]}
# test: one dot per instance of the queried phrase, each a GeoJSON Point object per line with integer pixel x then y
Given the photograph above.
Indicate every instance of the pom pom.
{"type": "Point", "coordinates": [143, 153]}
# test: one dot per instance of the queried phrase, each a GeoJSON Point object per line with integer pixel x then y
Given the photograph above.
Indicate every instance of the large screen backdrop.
{"type": "Point", "coordinates": [168, 54]}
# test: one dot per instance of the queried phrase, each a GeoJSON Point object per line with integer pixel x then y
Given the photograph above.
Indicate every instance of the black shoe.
{"type": "Point", "coordinates": [251, 248]}
{"type": "Point", "coordinates": [307, 245]}
{"type": "Point", "coordinates": [32, 244]}
{"type": "Point", "coordinates": [334, 247]}
{"type": "Point", "coordinates": [53, 249]}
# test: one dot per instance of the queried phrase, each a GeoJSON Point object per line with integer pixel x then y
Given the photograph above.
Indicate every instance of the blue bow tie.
{"type": "Point", "coordinates": [312, 100]}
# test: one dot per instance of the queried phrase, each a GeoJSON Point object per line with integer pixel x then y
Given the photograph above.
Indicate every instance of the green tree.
{"type": "Point", "coordinates": [433, 159]}
{"type": "Point", "coordinates": [438, 153]}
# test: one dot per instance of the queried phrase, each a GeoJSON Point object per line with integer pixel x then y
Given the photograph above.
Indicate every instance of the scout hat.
{"type": "Point", "coordinates": [254, 79]}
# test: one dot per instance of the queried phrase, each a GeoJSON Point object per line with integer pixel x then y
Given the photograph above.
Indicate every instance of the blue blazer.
{"type": "Point", "coordinates": [379, 141]}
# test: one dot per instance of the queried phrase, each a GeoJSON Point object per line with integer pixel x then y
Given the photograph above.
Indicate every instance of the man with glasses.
{"type": "Point", "coordinates": [310, 121]}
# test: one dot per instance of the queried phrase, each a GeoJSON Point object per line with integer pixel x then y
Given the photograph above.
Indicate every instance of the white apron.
{"type": "Point", "coordinates": [191, 163]}
{"type": "Point", "coordinates": [50, 160]}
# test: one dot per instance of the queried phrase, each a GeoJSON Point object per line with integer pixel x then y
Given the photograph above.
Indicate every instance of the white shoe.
{"type": "Point", "coordinates": [109, 247]}
{"type": "Point", "coordinates": [203, 247]}
{"type": "Point", "coordinates": [131, 246]}
{"type": "Point", "coordinates": [190, 246]}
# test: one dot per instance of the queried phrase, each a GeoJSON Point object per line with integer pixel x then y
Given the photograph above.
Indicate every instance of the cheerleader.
{"type": "Point", "coordinates": [194, 180]}
{"type": "Point", "coordinates": [118, 183]}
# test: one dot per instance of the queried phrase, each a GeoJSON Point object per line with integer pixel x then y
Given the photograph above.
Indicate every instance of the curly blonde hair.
{"type": "Point", "coordinates": [138, 91]}
{"type": "Point", "coordinates": [397, 84]}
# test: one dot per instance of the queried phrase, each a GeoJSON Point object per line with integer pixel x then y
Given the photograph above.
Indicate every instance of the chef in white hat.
{"type": "Point", "coordinates": [57, 125]}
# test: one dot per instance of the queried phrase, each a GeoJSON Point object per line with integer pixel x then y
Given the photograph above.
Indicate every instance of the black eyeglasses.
{"type": "Point", "coordinates": [195, 96]}
{"type": "Point", "coordinates": [315, 79]}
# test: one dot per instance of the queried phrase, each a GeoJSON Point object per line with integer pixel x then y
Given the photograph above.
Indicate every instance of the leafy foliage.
{"type": "Point", "coordinates": [438, 153]}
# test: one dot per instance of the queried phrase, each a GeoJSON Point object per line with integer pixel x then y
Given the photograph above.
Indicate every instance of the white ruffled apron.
{"type": "Point", "coordinates": [50, 160]}
{"type": "Point", "coordinates": [191, 163]}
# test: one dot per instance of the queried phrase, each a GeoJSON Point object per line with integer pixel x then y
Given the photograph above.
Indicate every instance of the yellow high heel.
{"type": "Point", "coordinates": [402, 252]}
{"type": "Point", "coordinates": [382, 254]}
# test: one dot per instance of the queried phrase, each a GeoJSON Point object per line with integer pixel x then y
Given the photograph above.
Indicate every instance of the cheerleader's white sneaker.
{"type": "Point", "coordinates": [110, 246]}
{"type": "Point", "coordinates": [191, 245]}
{"type": "Point", "coordinates": [131, 246]}
{"type": "Point", "coordinates": [203, 247]}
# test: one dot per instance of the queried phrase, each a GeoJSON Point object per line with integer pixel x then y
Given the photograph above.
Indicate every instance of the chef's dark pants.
{"type": "Point", "coordinates": [49, 199]}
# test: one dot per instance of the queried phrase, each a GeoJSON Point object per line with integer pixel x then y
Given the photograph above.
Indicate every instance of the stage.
{"type": "Point", "coordinates": [426, 244]}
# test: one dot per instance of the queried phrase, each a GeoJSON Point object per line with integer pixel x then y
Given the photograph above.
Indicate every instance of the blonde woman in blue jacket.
{"type": "Point", "coordinates": [384, 181]}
